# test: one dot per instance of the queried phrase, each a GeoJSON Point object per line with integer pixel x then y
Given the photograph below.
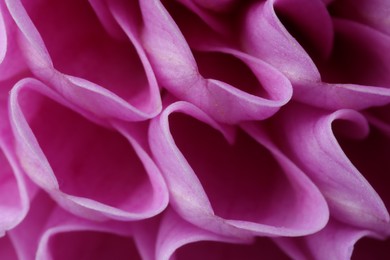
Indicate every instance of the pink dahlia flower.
{"type": "Point", "coordinates": [193, 129]}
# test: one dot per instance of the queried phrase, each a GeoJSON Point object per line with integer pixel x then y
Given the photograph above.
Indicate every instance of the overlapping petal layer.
{"type": "Point", "coordinates": [190, 129]}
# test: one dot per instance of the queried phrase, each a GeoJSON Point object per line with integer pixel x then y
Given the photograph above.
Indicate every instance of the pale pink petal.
{"type": "Point", "coordinates": [175, 233]}
{"type": "Point", "coordinates": [236, 186]}
{"type": "Point", "coordinates": [90, 170]}
{"type": "Point", "coordinates": [14, 201]}
{"type": "Point", "coordinates": [106, 76]}
{"type": "Point", "coordinates": [265, 37]}
{"type": "Point", "coordinates": [308, 136]}
{"type": "Point", "coordinates": [212, 81]}
{"type": "Point", "coordinates": [11, 60]}
{"type": "Point", "coordinates": [335, 241]}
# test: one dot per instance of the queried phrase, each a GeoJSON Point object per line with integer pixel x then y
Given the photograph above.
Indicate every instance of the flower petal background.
{"type": "Point", "coordinates": [189, 129]}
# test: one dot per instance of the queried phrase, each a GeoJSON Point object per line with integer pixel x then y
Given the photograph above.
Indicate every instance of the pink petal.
{"type": "Point", "coordinates": [335, 241]}
{"type": "Point", "coordinates": [195, 79]}
{"type": "Point", "coordinates": [90, 170]}
{"type": "Point", "coordinates": [11, 61]}
{"type": "Point", "coordinates": [14, 201]}
{"type": "Point", "coordinates": [83, 58]}
{"type": "Point", "coordinates": [217, 183]}
{"type": "Point", "coordinates": [176, 233]}
{"type": "Point", "coordinates": [265, 37]}
{"type": "Point", "coordinates": [309, 138]}
{"type": "Point", "coordinates": [304, 24]}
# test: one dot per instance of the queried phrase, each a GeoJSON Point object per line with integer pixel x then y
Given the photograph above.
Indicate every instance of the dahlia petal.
{"type": "Point", "coordinates": [340, 96]}
{"type": "Point", "coordinates": [14, 201]}
{"type": "Point", "coordinates": [13, 194]}
{"type": "Point", "coordinates": [11, 61]}
{"type": "Point", "coordinates": [309, 139]}
{"type": "Point", "coordinates": [175, 233]}
{"type": "Point", "coordinates": [99, 173]}
{"type": "Point", "coordinates": [335, 241]}
{"type": "Point", "coordinates": [178, 71]}
{"type": "Point", "coordinates": [265, 37]}
{"type": "Point", "coordinates": [195, 158]}
{"type": "Point", "coordinates": [80, 60]}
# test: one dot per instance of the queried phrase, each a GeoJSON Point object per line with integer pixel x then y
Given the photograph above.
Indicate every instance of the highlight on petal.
{"type": "Point", "coordinates": [265, 37]}
{"type": "Point", "coordinates": [178, 239]}
{"type": "Point", "coordinates": [108, 77]}
{"type": "Point", "coordinates": [90, 170]}
{"type": "Point", "coordinates": [335, 241]}
{"type": "Point", "coordinates": [309, 138]}
{"type": "Point", "coordinates": [11, 61]}
{"type": "Point", "coordinates": [175, 233]}
{"type": "Point", "coordinates": [211, 77]}
{"type": "Point", "coordinates": [13, 195]}
{"type": "Point", "coordinates": [234, 186]}
{"type": "Point", "coordinates": [14, 201]}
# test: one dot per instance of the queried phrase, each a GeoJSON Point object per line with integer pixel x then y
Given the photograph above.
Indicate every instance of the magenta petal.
{"type": "Point", "coordinates": [11, 61]}
{"type": "Point", "coordinates": [265, 37]}
{"type": "Point", "coordinates": [202, 83]}
{"type": "Point", "coordinates": [305, 22]}
{"type": "Point", "coordinates": [14, 201]}
{"type": "Point", "coordinates": [335, 241]}
{"type": "Point", "coordinates": [175, 233]}
{"type": "Point", "coordinates": [108, 77]}
{"type": "Point", "coordinates": [232, 187]}
{"type": "Point", "coordinates": [13, 195]}
{"type": "Point", "coordinates": [309, 138]}
{"type": "Point", "coordinates": [90, 170]}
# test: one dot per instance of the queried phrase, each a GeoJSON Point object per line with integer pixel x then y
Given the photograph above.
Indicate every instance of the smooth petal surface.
{"type": "Point", "coordinates": [335, 241]}
{"type": "Point", "coordinates": [112, 76]}
{"type": "Point", "coordinates": [195, 157]}
{"type": "Point", "coordinates": [208, 79]}
{"type": "Point", "coordinates": [265, 37]}
{"type": "Point", "coordinates": [119, 180]}
{"type": "Point", "coordinates": [175, 233]}
{"type": "Point", "coordinates": [11, 61]}
{"type": "Point", "coordinates": [313, 145]}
